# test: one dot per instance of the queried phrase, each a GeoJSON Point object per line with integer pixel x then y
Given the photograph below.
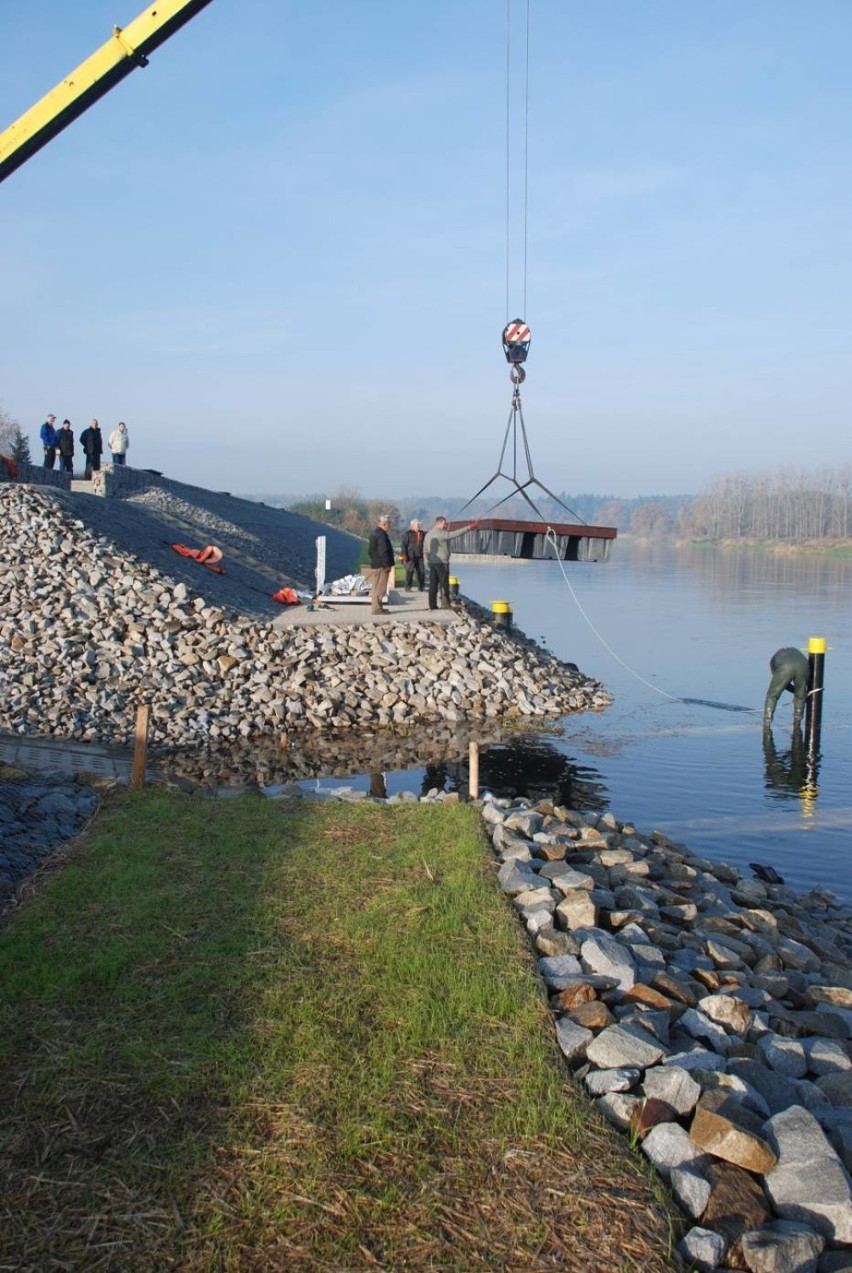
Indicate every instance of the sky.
{"type": "Point", "coordinates": [279, 251]}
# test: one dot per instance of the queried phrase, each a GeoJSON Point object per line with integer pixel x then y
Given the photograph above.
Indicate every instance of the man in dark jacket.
{"type": "Point", "coordinates": [93, 446]}
{"type": "Point", "coordinates": [65, 447]}
{"type": "Point", "coordinates": [380, 551]}
{"type": "Point", "coordinates": [47, 433]}
{"type": "Point", "coordinates": [790, 671]}
{"type": "Point", "coordinates": [412, 556]}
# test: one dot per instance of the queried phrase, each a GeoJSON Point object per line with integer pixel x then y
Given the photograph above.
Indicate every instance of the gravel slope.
{"type": "Point", "coordinates": [264, 548]}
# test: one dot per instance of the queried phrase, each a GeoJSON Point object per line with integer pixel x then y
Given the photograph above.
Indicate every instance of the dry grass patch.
{"type": "Point", "coordinates": [249, 1035]}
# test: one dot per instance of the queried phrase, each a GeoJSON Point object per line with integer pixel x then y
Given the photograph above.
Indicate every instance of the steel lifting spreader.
{"type": "Point", "coordinates": [516, 346]}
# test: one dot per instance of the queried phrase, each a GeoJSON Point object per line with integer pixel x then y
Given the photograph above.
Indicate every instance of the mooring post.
{"type": "Point", "coordinates": [813, 709]}
{"type": "Point", "coordinates": [473, 765]}
{"type": "Point", "coordinates": [140, 750]}
{"type": "Point", "coordinates": [501, 614]}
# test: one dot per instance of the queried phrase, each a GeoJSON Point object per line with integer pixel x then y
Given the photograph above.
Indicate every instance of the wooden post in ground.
{"type": "Point", "coordinates": [474, 771]}
{"type": "Point", "coordinates": [140, 750]}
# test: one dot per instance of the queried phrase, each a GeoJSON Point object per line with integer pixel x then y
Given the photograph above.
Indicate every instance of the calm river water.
{"type": "Point", "coordinates": [700, 623]}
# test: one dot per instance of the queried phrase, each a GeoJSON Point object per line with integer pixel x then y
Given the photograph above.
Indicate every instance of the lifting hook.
{"type": "Point", "coordinates": [516, 346]}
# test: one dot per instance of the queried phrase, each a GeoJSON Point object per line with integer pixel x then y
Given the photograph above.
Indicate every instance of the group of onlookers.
{"type": "Point", "coordinates": [60, 442]}
{"type": "Point", "coordinates": [419, 549]}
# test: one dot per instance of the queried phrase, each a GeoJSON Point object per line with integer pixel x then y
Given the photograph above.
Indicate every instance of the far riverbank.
{"type": "Point", "coordinates": [841, 548]}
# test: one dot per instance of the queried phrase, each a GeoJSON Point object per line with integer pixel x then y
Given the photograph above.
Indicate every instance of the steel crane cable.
{"type": "Point", "coordinates": [526, 148]}
{"type": "Point", "coordinates": [526, 165]}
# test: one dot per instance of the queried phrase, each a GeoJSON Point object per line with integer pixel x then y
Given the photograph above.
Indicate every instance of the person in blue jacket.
{"type": "Point", "coordinates": [47, 433]}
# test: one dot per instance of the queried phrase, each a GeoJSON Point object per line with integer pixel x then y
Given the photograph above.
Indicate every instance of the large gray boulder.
{"type": "Point", "coordinates": [809, 1182]}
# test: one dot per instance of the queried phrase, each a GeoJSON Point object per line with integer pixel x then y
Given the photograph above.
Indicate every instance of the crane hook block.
{"type": "Point", "coordinates": [516, 341]}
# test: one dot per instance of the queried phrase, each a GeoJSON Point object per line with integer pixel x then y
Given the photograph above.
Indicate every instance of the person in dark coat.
{"type": "Point", "coordinates": [93, 446]}
{"type": "Point", "coordinates": [65, 447]}
{"type": "Point", "coordinates": [380, 551]}
{"type": "Point", "coordinates": [47, 433]}
{"type": "Point", "coordinates": [790, 671]}
{"type": "Point", "coordinates": [412, 556]}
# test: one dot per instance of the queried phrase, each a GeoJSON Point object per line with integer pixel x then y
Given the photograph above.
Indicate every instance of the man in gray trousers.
{"type": "Point", "coordinates": [436, 554]}
{"type": "Point", "coordinates": [790, 671]}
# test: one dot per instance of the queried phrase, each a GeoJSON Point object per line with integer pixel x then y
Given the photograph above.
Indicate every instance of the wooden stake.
{"type": "Point", "coordinates": [474, 771]}
{"type": "Point", "coordinates": [140, 751]}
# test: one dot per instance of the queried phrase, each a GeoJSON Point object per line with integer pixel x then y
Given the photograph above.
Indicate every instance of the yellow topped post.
{"type": "Point", "coordinates": [813, 711]}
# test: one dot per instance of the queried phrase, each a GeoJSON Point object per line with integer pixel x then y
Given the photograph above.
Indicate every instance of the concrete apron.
{"type": "Point", "coordinates": [69, 756]}
{"type": "Point", "coordinates": [403, 607]}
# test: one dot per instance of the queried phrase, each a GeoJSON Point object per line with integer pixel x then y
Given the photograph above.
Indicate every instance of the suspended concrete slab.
{"type": "Point", "coordinates": [500, 537]}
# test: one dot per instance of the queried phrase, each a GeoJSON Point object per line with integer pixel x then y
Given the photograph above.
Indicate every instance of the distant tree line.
{"type": "Point", "coordinates": [789, 505]}
{"type": "Point", "coordinates": [792, 504]}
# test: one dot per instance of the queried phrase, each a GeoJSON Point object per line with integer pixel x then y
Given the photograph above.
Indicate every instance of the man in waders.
{"type": "Point", "coordinates": [790, 671]}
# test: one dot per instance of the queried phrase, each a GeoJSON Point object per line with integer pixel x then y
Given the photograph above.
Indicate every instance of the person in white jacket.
{"type": "Point", "coordinates": [119, 444]}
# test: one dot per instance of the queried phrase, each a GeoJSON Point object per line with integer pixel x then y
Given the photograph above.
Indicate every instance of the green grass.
{"type": "Point", "coordinates": [240, 1035]}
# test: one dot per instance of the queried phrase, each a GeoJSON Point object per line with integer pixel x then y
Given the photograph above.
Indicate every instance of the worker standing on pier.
{"type": "Point", "coordinates": [380, 550]}
{"type": "Point", "coordinates": [436, 553]}
{"type": "Point", "coordinates": [412, 556]}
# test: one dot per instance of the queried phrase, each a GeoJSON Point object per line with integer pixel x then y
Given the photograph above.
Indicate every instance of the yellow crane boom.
{"type": "Point", "coordinates": [127, 48]}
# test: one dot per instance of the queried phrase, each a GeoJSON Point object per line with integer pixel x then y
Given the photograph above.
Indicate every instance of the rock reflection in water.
{"type": "Point", "coordinates": [535, 768]}
{"type": "Point", "coordinates": [266, 763]}
{"type": "Point", "coordinates": [517, 765]}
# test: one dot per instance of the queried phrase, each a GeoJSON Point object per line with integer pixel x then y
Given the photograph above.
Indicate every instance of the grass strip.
{"type": "Point", "coordinates": [281, 1035]}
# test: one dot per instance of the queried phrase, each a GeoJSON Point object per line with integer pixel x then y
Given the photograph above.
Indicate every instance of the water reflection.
{"type": "Point", "coordinates": [741, 573]}
{"type": "Point", "coordinates": [269, 762]}
{"type": "Point", "coordinates": [793, 772]}
{"type": "Point", "coordinates": [702, 622]}
{"type": "Point", "coordinates": [785, 771]}
{"type": "Point", "coordinates": [438, 778]}
{"type": "Point", "coordinates": [531, 766]}
{"type": "Point", "coordinates": [537, 769]}
{"type": "Point", "coordinates": [378, 786]}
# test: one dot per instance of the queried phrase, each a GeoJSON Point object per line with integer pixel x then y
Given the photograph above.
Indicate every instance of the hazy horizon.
{"type": "Point", "coordinates": [279, 251]}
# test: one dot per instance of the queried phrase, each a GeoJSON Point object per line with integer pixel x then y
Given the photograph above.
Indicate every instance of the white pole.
{"type": "Point", "coordinates": [473, 764]}
{"type": "Point", "coordinates": [320, 564]}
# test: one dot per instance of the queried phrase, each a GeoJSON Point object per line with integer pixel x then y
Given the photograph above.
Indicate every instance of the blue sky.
{"type": "Point", "coordinates": [279, 251]}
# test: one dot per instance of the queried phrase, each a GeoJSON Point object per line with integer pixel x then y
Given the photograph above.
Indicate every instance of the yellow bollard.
{"type": "Point", "coordinates": [501, 613]}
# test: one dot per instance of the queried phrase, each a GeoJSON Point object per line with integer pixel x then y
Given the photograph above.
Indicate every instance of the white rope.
{"type": "Point", "coordinates": [551, 537]}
